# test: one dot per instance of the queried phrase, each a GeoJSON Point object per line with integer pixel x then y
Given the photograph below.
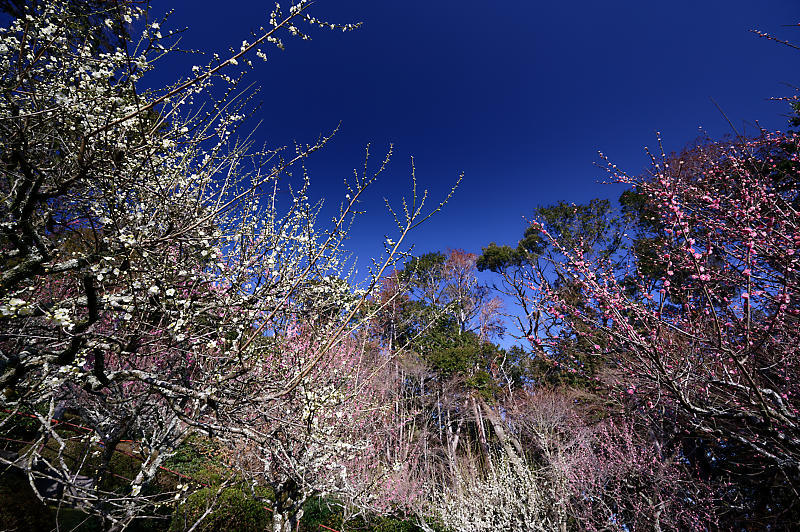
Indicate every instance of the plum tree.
{"type": "Point", "coordinates": [150, 271]}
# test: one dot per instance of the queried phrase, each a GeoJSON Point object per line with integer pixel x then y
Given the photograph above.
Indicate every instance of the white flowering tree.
{"type": "Point", "coordinates": [333, 436]}
{"type": "Point", "coordinates": [150, 270]}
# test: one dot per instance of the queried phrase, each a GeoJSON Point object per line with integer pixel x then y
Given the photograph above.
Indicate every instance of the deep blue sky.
{"type": "Point", "coordinates": [519, 95]}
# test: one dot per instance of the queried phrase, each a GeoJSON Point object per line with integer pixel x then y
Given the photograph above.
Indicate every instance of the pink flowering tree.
{"type": "Point", "coordinates": [698, 327]}
{"type": "Point", "coordinates": [626, 481]}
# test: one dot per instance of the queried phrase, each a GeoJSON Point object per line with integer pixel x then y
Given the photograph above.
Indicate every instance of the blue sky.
{"type": "Point", "coordinates": [519, 95]}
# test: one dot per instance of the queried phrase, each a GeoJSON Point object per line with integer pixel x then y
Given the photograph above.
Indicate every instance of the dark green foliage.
{"type": "Point", "coordinates": [450, 353]}
{"type": "Point", "coordinates": [197, 458]}
{"type": "Point", "coordinates": [482, 383]}
{"type": "Point", "coordinates": [18, 499]}
{"type": "Point", "coordinates": [648, 243]}
{"type": "Point", "coordinates": [424, 268]}
{"type": "Point", "coordinates": [532, 243]}
{"type": "Point", "coordinates": [441, 334]}
{"type": "Point", "coordinates": [234, 509]}
{"type": "Point", "coordinates": [517, 363]}
{"type": "Point", "coordinates": [784, 170]}
{"type": "Point", "coordinates": [19, 427]}
{"type": "Point", "coordinates": [595, 229]}
{"type": "Point", "coordinates": [794, 118]}
{"type": "Point", "coordinates": [388, 524]}
{"type": "Point", "coordinates": [453, 360]}
{"type": "Point", "coordinates": [636, 208]}
{"type": "Point", "coordinates": [587, 227]}
{"type": "Point", "coordinates": [499, 258]}
{"type": "Point", "coordinates": [494, 258]}
{"type": "Point", "coordinates": [319, 511]}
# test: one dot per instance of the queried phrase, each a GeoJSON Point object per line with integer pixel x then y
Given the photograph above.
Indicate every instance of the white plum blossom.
{"type": "Point", "coordinates": [113, 195]}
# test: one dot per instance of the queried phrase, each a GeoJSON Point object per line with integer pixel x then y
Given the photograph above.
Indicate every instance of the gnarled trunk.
{"type": "Point", "coordinates": [288, 508]}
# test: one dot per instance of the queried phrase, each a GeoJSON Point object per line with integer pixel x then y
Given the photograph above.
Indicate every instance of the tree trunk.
{"type": "Point", "coordinates": [453, 438]}
{"type": "Point", "coordinates": [482, 436]}
{"type": "Point", "coordinates": [511, 445]}
{"type": "Point", "coordinates": [288, 508]}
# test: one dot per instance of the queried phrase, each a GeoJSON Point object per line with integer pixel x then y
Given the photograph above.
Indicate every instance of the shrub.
{"type": "Point", "coordinates": [234, 509]}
